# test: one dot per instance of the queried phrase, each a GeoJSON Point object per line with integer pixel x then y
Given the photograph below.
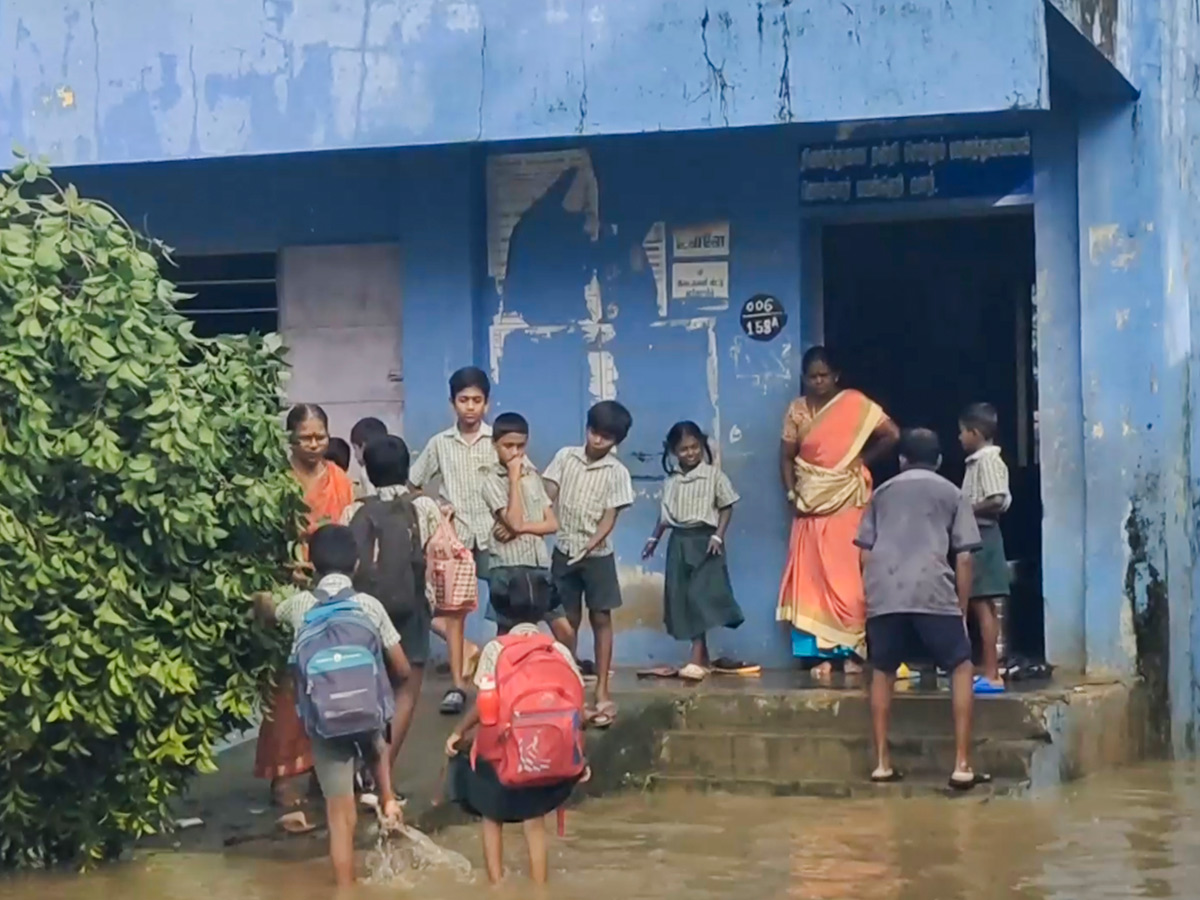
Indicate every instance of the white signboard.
{"type": "Point", "coordinates": [700, 280]}
{"type": "Point", "coordinates": [697, 241]}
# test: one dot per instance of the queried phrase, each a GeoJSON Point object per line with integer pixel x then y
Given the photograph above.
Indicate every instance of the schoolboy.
{"type": "Point", "coordinates": [386, 461]}
{"type": "Point", "coordinates": [458, 456]}
{"type": "Point", "coordinates": [335, 559]}
{"type": "Point", "coordinates": [364, 431]}
{"type": "Point", "coordinates": [338, 453]}
{"type": "Point", "coordinates": [590, 487]}
{"type": "Point", "coordinates": [985, 485]}
{"type": "Point", "coordinates": [524, 516]}
{"type": "Point", "coordinates": [909, 530]}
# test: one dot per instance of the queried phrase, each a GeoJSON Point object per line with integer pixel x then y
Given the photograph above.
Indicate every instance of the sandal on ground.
{"type": "Point", "coordinates": [964, 781]}
{"type": "Point", "coordinates": [983, 685]}
{"type": "Point", "coordinates": [693, 672]}
{"type": "Point", "coordinates": [295, 822]}
{"type": "Point", "coordinates": [658, 672]}
{"type": "Point", "coordinates": [726, 666]}
{"type": "Point", "coordinates": [453, 703]}
{"type": "Point", "coordinates": [603, 715]}
{"type": "Point", "coordinates": [891, 776]}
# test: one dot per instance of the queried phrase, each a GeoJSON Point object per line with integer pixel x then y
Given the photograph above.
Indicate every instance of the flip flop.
{"type": "Point", "coordinates": [972, 779]}
{"type": "Point", "coordinates": [891, 777]}
{"type": "Point", "coordinates": [295, 822]}
{"type": "Point", "coordinates": [726, 666]}
{"type": "Point", "coordinates": [453, 703]}
{"type": "Point", "coordinates": [658, 672]}
{"type": "Point", "coordinates": [693, 672]}
{"type": "Point", "coordinates": [603, 715]}
{"type": "Point", "coordinates": [982, 685]}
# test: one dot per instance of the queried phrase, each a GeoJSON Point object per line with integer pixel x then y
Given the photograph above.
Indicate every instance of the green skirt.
{"type": "Point", "coordinates": [991, 577]}
{"type": "Point", "coordinates": [698, 595]}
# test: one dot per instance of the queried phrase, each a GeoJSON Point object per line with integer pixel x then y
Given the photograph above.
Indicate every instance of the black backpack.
{"type": "Point", "coordinates": [391, 566]}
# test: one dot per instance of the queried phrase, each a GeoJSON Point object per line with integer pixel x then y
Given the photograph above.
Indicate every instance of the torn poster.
{"type": "Point", "coordinates": [516, 181]}
{"type": "Point", "coordinates": [655, 246]}
{"type": "Point", "coordinates": [711, 239]}
{"type": "Point", "coordinates": [700, 280]}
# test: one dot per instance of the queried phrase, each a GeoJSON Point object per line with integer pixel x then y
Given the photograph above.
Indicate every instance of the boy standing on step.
{"type": "Point", "coordinates": [909, 530]}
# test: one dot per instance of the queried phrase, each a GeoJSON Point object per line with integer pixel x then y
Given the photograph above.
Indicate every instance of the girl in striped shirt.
{"type": "Point", "coordinates": [697, 504]}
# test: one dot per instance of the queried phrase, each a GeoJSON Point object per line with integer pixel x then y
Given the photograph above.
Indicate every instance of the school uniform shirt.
{"type": "Point", "coordinates": [696, 498]}
{"type": "Point", "coordinates": [490, 655]}
{"type": "Point", "coordinates": [460, 466]}
{"type": "Point", "coordinates": [292, 611]}
{"type": "Point", "coordinates": [429, 517]}
{"type": "Point", "coordinates": [525, 549]}
{"type": "Point", "coordinates": [986, 476]}
{"type": "Point", "coordinates": [585, 490]}
{"type": "Point", "coordinates": [911, 526]}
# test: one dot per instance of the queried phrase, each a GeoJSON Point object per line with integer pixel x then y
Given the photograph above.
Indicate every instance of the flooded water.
{"type": "Point", "coordinates": [1136, 834]}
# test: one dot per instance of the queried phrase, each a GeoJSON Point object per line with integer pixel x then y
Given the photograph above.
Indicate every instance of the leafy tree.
{"type": "Point", "coordinates": [145, 495]}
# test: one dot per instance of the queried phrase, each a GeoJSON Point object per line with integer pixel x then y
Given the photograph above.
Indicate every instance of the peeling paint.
{"type": "Point", "coordinates": [1107, 245]}
{"type": "Point", "coordinates": [774, 371]}
{"type": "Point", "coordinates": [602, 376]}
{"type": "Point", "coordinates": [462, 16]}
{"type": "Point", "coordinates": [1122, 319]}
{"type": "Point", "coordinates": [735, 434]}
{"type": "Point", "coordinates": [1098, 430]}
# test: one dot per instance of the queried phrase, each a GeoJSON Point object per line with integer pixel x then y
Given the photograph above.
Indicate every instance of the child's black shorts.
{"type": "Point", "coordinates": [592, 579]}
{"type": "Point", "coordinates": [899, 638]}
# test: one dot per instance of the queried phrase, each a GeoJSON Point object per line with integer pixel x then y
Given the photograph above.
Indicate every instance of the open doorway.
{"type": "Point", "coordinates": [928, 316]}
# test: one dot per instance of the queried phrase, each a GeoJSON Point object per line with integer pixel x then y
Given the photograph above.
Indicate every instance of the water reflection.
{"type": "Point", "coordinates": [1134, 834]}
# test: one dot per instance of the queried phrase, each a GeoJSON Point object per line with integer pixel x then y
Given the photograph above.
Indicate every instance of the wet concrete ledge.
{"type": "Point", "coordinates": [775, 735]}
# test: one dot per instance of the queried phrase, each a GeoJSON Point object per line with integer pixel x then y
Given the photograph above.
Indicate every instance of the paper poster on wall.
{"type": "Point", "coordinates": [655, 245]}
{"type": "Point", "coordinates": [516, 181]}
{"type": "Point", "coordinates": [700, 280]}
{"type": "Point", "coordinates": [711, 239]}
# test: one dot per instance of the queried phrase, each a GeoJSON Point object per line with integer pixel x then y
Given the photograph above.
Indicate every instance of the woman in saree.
{"type": "Point", "coordinates": [284, 751]}
{"type": "Point", "coordinates": [830, 436]}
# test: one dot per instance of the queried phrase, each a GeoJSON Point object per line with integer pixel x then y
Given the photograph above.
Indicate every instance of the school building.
{"type": "Point", "coordinates": [666, 203]}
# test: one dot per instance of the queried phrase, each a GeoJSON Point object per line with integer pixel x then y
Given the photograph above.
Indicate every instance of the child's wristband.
{"type": "Point", "coordinates": [718, 539]}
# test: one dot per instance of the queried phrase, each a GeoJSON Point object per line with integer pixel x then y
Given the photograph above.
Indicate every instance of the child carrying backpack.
{"type": "Point", "coordinates": [345, 655]}
{"type": "Point", "coordinates": [528, 752]}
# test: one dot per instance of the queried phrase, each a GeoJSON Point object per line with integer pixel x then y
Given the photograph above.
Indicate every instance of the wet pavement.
{"type": "Point", "coordinates": [1135, 833]}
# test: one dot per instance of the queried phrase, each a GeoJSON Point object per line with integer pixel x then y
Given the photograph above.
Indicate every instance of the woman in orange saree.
{"type": "Point", "coordinates": [283, 750]}
{"type": "Point", "coordinates": [829, 437]}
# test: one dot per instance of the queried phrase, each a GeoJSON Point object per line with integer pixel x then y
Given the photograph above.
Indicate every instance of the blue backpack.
{"type": "Point", "coordinates": [342, 685]}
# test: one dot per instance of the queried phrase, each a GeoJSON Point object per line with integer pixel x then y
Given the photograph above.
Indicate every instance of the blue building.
{"type": "Point", "coordinates": [967, 198]}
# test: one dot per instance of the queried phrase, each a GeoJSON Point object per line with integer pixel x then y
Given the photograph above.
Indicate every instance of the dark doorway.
{"type": "Point", "coordinates": [928, 316]}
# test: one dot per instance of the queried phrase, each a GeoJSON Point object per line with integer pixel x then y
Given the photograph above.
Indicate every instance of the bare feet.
{"type": "Point", "coordinates": [822, 670]}
{"type": "Point", "coordinates": [852, 668]}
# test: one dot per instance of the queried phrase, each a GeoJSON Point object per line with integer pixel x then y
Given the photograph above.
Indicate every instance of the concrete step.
{"type": "Point", "coordinates": [811, 757]}
{"type": "Point", "coordinates": [1010, 717]}
{"type": "Point", "coordinates": [832, 790]}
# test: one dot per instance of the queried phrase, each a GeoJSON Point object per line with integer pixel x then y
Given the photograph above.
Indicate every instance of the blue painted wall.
{"type": "Point", "coordinates": [127, 80]}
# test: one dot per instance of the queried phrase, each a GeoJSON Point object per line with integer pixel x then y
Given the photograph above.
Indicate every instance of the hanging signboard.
{"type": "Point", "coordinates": [917, 168]}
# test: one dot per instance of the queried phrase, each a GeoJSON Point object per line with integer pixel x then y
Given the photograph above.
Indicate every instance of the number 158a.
{"type": "Point", "coordinates": [764, 326]}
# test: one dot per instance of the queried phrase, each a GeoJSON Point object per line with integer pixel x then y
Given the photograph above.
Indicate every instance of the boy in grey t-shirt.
{"type": "Point", "coordinates": [915, 600]}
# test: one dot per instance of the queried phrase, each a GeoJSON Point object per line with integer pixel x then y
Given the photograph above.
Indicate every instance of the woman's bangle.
{"type": "Point", "coordinates": [653, 539]}
{"type": "Point", "coordinates": [718, 539]}
{"type": "Point", "coordinates": [791, 495]}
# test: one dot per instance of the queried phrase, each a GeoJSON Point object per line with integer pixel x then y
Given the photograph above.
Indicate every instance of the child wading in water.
{"type": "Point", "coordinates": [985, 485]}
{"type": "Point", "coordinates": [697, 505]}
{"type": "Point", "coordinates": [528, 717]}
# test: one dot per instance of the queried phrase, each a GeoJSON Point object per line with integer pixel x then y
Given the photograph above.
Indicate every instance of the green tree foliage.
{"type": "Point", "coordinates": [145, 494]}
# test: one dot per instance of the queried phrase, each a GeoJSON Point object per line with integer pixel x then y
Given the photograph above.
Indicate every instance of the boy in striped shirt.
{"type": "Point", "coordinates": [590, 487]}
{"type": "Point", "coordinates": [519, 559]}
{"type": "Point", "coordinates": [457, 457]}
{"type": "Point", "coordinates": [985, 486]}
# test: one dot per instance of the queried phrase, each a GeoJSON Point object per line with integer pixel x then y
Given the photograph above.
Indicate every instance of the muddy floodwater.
{"type": "Point", "coordinates": [1132, 834]}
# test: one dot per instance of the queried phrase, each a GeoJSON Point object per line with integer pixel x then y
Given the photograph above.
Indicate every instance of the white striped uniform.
{"type": "Point", "coordinates": [586, 490]}
{"type": "Point", "coordinates": [460, 465]}
{"type": "Point", "coordinates": [696, 497]}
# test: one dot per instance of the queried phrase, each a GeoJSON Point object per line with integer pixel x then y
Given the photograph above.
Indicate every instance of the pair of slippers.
{"type": "Point", "coordinates": [959, 781]}
{"type": "Point", "coordinates": [692, 672]}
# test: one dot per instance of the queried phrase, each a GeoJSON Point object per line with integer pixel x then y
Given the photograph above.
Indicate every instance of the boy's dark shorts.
{"type": "Point", "coordinates": [483, 563]}
{"type": "Point", "coordinates": [899, 638]}
{"type": "Point", "coordinates": [413, 626]}
{"type": "Point", "coordinates": [593, 578]}
{"type": "Point", "coordinates": [498, 581]}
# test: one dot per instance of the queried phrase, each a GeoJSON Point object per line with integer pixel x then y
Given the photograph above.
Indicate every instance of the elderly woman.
{"type": "Point", "coordinates": [830, 436]}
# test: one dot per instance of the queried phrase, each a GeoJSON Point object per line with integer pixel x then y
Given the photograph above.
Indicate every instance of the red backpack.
{"type": "Point", "coordinates": [538, 736]}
